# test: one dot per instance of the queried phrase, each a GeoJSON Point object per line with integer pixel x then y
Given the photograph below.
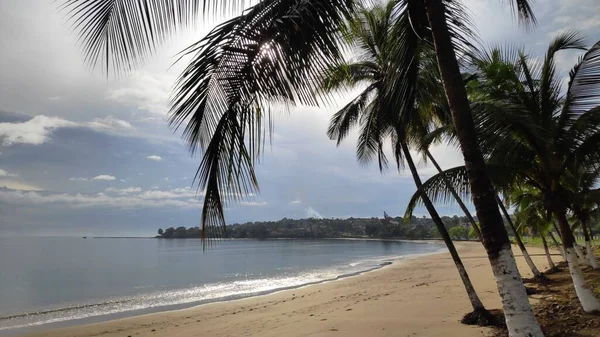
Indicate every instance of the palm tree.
{"type": "Point", "coordinates": [495, 236]}
{"type": "Point", "coordinates": [373, 34]}
{"type": "Point", "coordinates": [273, 52]}
{"type": "Point", "coordinates": [534, 270]}
{"type": "Point", "coordinates": [529, 213]}
{"type": "Point", "coordinates": [536, 221]}
{"type": "Point", "coordinates": [554, 136]}
{"type": "Point", "coordinates": [585, 199]}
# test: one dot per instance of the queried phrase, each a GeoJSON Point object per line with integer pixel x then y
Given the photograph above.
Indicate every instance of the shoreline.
{"type": "Point", "coordinates": [421, 296]}
{"type": "Point", "coordinates": [132, 314]}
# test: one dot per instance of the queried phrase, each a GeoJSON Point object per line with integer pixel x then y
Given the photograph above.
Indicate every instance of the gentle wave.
{"type": "Point", "coordinates": [194, 295]}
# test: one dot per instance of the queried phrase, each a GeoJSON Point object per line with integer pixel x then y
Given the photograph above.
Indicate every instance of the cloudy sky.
{"type": "Point", "coordinates": [81, 154]}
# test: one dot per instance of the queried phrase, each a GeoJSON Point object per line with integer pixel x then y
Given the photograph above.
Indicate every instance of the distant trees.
{"type": "Point", "coordinates": [459, 233]}
{"type": "Point", "coordinates": [180, 233]}
{"type": "Point", "coordinates": [386, 228]}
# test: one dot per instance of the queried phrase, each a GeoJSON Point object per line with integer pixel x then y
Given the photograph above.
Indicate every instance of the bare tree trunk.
{"type": "Point", "coordinates": [526, 255]}
{"type": "Point", "coordinates": [548, 257]}
{"type": "Point", "coordinates": [475, 301]}
{"type": "Point", "coordinates": [586, 297]}
{"type": "Point", "coordinates": [517, 310]}
{"type": "Point", "coordinates": [456, 197]}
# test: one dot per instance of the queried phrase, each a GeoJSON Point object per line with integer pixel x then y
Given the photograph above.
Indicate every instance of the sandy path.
{"type": "Point", "coordinates": [421, 297]}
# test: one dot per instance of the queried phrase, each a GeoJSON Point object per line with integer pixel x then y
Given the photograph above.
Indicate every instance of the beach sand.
{"type": "Point", "coordinates": [417, 297]}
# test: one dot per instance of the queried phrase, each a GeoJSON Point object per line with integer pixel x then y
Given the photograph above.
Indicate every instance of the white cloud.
{"type": "Point", "coordinates": [104, 177]}
{"type": "Point", "coordinates": [78, 179]}
{"type": "Point", "coordinates": [253, 203]}
{"type": "Point", "coordinates": [54, 98]}
{"type": "Point", "coordinates": [38, 129]}
{"type": "Point", "coordinates": [155, 158]}
{"type": "Point", "coordinates": [123, 191]}
{"type": "Point", "coordinates": [133, 197]}
{"type": "Point", "coordinates": [35, 131]}
{"type": "Point", "coordinates": [3, 173]}
{"type": "Point", "coordinates": [146, 91]}
{"type": "Point", "coordinates": [86, 201]}
{"type": "Point", "coordinates": [108, 123]}
{"type": "Point", "coordinates": [19, 186]}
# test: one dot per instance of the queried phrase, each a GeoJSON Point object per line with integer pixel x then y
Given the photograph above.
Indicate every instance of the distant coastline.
{"type": "Point", "coordinates": [321, 228]}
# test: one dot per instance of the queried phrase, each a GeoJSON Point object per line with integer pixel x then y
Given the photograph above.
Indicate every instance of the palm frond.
{"type": "Point", "coordinates": [437, 186]}
{"type": "Point", "coordinates": [550, 84]}
{"type": "Point", "coordinates": [273, 53]}
{"type": "Point", "coordinates": [583, 90]}
{"type": "Point", "coordinates": [119, 34]}
{"type": "Point", "coordinates": [346, 118]}
{"type": "Point", "coordinates": [523, 10]}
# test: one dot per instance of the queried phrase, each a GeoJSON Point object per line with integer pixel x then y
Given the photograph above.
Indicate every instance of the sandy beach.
{"type": "Point", "coordinates": [418, 297]}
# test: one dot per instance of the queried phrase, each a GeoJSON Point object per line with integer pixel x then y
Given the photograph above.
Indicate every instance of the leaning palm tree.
{"type": "Point", "coordinates": [585, 198]}
{"type": "Point", "coordinates": [535, 219]}
{"type": "Point", "coordinates": [273, 52]}
{"type": "Point", "coordinates": [530, 214]}
{"type": "Point", "coordinates": [555, 136]}
{"type": "Point", "coordinates": [373, 35]}
{"type": "Point", "coordinates": [536, 272]}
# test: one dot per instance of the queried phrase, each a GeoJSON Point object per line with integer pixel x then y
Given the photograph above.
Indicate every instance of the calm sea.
{"type": "Point", "coordinates": [50, 282]}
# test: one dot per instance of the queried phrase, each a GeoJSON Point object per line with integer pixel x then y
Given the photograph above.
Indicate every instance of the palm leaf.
{"type": "Point", "coordinates": [583, 90]}
{"type": "Point", "coordinates": [438, 191]}
{"type": "Point", "coordinates": [118, 34]}
{"type": "Point", "coordinates": [274, 52]}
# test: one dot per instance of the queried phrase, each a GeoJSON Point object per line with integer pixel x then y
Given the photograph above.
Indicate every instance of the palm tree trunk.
{"type": "Point", "coordinates": [550, 262]}
{"type": "Point", "coordinates": [517, 310]}
{"type": "Point", "coordinates": [534, 270]}
{"type": "Point", "coordinates": [586, 296]}
{"type": "Point", "coordinates": [475, 301]}
{"type": "Point", "coordinates": [578, 251]}
{"type": "Point", "coordinates": [559, 246]}
{"type": "Point", "coordinates": [588, 245]}
{"type": "Point", "coordinates": [456, 196]}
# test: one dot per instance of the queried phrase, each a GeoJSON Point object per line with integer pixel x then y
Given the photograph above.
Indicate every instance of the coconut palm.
{"type": "Point", "coordinates": [532, 216]}
{"type": "Point", "coordinates": [511, 225]}
{"type": "Point", "coordinates": [373, 35]}
{"type": "Point", "coordinates": [555, 136]}
{"type": "Point", "coordinates": [585, 198]}
{"type": "Point", "coordinates": [272, 53]}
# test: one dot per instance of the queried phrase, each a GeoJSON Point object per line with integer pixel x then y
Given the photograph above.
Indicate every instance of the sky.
{"type": "Point", "coordinates": [83, 154]}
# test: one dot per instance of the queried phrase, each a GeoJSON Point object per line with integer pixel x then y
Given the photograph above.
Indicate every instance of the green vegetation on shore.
{"type": "Point", "coordinates": [313, 228]}
{"type": "Point", "coordinates": [383, 228]}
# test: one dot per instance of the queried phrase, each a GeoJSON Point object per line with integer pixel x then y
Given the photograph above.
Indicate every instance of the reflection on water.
{"type": "Point", "coordinates": [60, 279]}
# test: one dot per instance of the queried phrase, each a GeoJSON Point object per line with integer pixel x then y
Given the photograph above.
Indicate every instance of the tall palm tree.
{"type": "Point", "coordinates": [555, 136]}
{"type": "Point", "coordinates": [511, 225]}
{"type": "Point", "coordinates": [530, 216]}
{"type": "Point", "coordinates": [495, 236]}
{"type": "Point", "coordinates": [585, 198]}
{"type": "Point", "coordinates": [273, 52]}
{"type": "Point", "coordinates": [372, 35]}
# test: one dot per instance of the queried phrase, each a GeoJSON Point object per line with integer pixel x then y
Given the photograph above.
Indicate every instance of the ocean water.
{"type": "Point", "coordinates": [51, 282]}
